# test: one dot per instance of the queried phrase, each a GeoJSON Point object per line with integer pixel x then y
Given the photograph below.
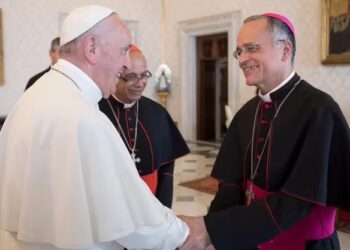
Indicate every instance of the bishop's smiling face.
{"type": "Point", "coordinates": [260, 56]}
{"type": "Point", "coordinates": [131, 90]}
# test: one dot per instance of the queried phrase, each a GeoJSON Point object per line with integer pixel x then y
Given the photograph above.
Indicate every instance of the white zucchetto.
{"type": "Point", "coordinates": [82, 19]}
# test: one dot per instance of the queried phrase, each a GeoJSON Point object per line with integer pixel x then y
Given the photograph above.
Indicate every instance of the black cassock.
{"type": "Point", "coordinates": [34, 78]}
{"type": "Point", "coordinates": [304, 168]}
{"type": "Point", "coordinates": [158, 142]}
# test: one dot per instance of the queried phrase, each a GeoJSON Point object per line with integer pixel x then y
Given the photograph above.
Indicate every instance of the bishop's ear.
{"type": "Point", "coordinates": [90, 49]}
{"type": "Point", "coordinates": [287, 50]}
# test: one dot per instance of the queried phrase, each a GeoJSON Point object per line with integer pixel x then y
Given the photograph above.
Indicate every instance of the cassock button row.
{"type": "Point", "coordinates": [267, 105]}
{"type": "Point", "coordinates": [263, 122]}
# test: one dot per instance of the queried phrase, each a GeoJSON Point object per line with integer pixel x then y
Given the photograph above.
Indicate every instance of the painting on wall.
{"type": "Point", "coordinates": [132, 25]}
{"type": "Point", "coordinates": [335, 31]}
{"type": "Point", "coordinates": [2, 78]}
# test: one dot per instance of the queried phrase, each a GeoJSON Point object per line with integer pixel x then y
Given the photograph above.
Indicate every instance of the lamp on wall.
{"type": "Point", "coordinates": [163, 81]}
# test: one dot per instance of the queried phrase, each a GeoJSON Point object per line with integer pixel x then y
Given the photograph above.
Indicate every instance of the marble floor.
{"type": "Point", "coordinates": [199, 164]}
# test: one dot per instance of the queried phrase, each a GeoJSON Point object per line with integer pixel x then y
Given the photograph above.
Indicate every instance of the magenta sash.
{"type": "Point", "coordinates": [319, 224]}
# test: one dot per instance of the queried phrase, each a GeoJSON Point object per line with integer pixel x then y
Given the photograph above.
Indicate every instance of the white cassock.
{"type": "Point", "coordinates": [67, 180]}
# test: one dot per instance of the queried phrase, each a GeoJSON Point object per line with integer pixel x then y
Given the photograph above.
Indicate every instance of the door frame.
{"type": "Point", "coordinates": [227, 22]}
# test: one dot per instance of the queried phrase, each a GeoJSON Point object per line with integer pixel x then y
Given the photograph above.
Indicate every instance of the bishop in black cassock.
{"type": "Point", "coordinates": [284, 165]}
{"type": "Point", "coordinates": [303, 174]}
{"type": "Point", "coordinates": [147, 129]}
{"type": "Point", "coordinates": [158, 142]}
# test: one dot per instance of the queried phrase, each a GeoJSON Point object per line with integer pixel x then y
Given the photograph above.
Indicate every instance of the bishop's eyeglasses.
{"type": "Point", "coordinates": [250, 48]}
{"type": "Point", "coordinates": [133, 77]}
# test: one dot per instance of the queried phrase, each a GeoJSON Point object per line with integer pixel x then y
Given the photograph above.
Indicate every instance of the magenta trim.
{"type": "Point", "coordinates": [166, 162]}
{"type": "Point", "coordinates": [268, 156]}
{"type": "Point", "coordinates": [149, 143]}
{"type": "Point", "coordinates": [283, 19]}
{"type": "Point", "coordinates": [127, 127]}
{"type": "Point", "coordinates": [271, 215]}
{"type": "Point", "coordinates": [319, 224]}
{"type": "Point", "coordinates": [303, 198]}
{"type": "Point", "coordinates": [245, 159]}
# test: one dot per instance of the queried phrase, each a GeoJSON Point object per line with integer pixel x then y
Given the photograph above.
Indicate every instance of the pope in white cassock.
{"type": "Point", "coordinates": [66, 179]}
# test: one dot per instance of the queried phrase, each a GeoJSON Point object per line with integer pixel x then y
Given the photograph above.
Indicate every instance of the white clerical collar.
{"type": "Point", "coordinates": [126, 105]}
{"type": "Point", "coordinates": [267, 97]}
{"type": "Point", "coordinates": [88, 87]}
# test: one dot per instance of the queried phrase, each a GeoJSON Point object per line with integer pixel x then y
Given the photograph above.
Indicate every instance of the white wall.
{"type": "Point", "coordinates": [306, 16]}
{"type": "Point", "coordinates": [30, 25]}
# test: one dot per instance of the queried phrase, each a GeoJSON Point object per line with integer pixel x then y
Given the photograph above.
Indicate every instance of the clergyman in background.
{"type": "Point", "coordinates": [147, 129]}
{"type": "Point", "coordinates": [53, 53]}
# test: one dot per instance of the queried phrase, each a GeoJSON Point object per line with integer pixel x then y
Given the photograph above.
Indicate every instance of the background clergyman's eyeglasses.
{"type": "Point", "coordinates": [133, 77]}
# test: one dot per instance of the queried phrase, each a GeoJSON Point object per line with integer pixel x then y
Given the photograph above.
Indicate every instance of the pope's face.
{"type": "Point", "coordinates": [114, 55]}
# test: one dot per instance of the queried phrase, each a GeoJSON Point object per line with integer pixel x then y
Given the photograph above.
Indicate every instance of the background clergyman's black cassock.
{"type": "Point", "coordinates": [308, 163]}
{"type": "Point", "coordinates": [158, 143]}
{"type": "Point", "coordinates": [33, 79]}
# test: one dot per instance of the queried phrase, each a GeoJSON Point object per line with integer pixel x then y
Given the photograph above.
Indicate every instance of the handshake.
{"type": "Point", "coordinates": [198, 237]}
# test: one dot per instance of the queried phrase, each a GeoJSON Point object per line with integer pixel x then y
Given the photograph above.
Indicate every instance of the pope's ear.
{"type": "Point", "coordinates": [89, 47]}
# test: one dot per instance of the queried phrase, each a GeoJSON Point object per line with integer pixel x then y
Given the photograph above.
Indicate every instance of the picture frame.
{"type": "Point", "coordinates": [335, 31]}
{"type": "Point", "coordinates": [2, 77]}
{"type": "Point", "coordinates": [132, 26]}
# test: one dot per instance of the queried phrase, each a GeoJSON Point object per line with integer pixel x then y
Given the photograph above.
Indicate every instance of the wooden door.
{"type": "Point", "coordinates": [211, 86]}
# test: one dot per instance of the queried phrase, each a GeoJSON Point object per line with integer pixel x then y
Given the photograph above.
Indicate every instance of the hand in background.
{"type": "Point", "coordinates": [198, 238]}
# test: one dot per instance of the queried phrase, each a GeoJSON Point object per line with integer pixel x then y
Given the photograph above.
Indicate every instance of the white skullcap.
{"type": "Point", "coordinates": [82, 19]}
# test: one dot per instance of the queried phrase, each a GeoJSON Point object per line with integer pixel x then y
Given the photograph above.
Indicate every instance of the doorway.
{"type": "Point", "coordinates": [212, 86]}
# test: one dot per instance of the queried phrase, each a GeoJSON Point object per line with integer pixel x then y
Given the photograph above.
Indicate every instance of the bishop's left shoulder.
{"type": "Point", "coordinates": [315, 94]}
{"type": "Point", "coordinates": [149, 104]}
{"type": "Point", "coordinates": [316, 99]}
